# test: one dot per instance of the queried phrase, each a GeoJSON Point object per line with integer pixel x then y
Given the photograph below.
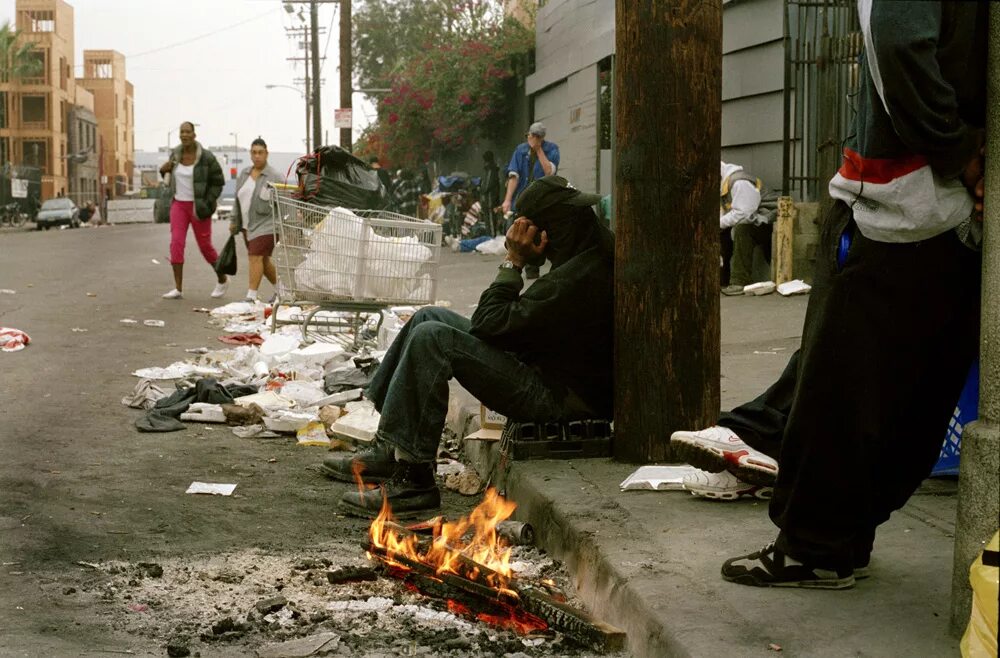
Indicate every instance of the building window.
{"type": "Point", "coordinates": [41, 76]}
{"type": "Point", "coordinates": [36, 154]}
{"type": "Point", "coordinates": [4, 150]}
{"type": "Point", "coordinates": [38, 21]}
{"type": "Point", "coordinates": [62, 73]}
{"type": "Point", "coordinates": [33, 111]}
{"type": "Point", "coordinates": [99, 68]}
{"type": "Point", "coordinates": [3, 110]}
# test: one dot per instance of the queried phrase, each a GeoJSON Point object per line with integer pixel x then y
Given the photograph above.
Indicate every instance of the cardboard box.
{"type": "Point", "coordinates": [491, 420]}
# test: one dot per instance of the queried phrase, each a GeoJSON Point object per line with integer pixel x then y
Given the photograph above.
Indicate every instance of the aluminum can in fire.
{"type": "Point", "coordinates": [517, 533]}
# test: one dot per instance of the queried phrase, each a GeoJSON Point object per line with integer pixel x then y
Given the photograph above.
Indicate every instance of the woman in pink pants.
{"type": "Point", "coordinates": [195, 184]}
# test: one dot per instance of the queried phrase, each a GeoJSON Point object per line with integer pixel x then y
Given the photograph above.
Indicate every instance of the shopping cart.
{"type": "Point", "coordinates": [344, 267]}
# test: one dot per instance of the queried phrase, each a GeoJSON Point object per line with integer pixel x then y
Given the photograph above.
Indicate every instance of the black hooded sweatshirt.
{"type": "Point", "coordinates": [563, 323]}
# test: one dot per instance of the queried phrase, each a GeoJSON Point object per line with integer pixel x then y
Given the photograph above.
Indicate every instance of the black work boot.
{"type": "Point", "coordinates": [376, 463]}
{"type": "Point", "coordinates": [411, 492]}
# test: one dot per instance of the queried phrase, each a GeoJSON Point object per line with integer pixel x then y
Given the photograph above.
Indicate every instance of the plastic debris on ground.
{"type": "Point", "coordinates": [79, 330]}
{"type": "Point", "coordinates": [268, 400]}
{"type": "Point", "coordinates": [758, 289]}
{"type": "Point", "coordinates": [203, 412]}
{"type": "Point", "coordinates": [211, 488]}
{"type": "Point", "coordinates": [128, 321]}
{"type": "Point", "coordinates": [795, 287]}
{"type": "Point", "coordinates": [12, 340]}
{"type": "Point", "coordinates": [254, 432]}
{"type": "Point", "coordinates": [494, 247]}
{"type": "Point", "coordinates": [154, 323]}
{"type": "Point", "coordinates": [359, 423]}
{"type": "Point", "coordinates": [7, 291]}
{"type": "Point", "coordinates": [657, 478]}
{"type": "Point", "coordinates": [313, 434]}
{"type": "Point", "coordinates": [287, 421]}
{"type": "Point", "coordinates": [177, 370]}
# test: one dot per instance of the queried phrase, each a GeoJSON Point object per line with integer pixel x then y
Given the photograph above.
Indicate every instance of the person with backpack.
{"type": "Point", "coordinates": [746, 219]}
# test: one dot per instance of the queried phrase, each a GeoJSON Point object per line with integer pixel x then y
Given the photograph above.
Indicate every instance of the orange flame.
{"type": "Point", "coordinates": [449, 542]}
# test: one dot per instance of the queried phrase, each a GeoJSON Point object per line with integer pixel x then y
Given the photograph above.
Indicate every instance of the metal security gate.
{"type": "Point", "coordinates": [822, 44]}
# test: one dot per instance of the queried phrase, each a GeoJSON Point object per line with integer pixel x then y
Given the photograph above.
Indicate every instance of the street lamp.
{"type": "Point", "coordinates": [305, 97]}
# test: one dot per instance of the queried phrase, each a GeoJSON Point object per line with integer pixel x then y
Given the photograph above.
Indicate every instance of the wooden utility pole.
{"type": "Point", "coordinates": [317, 116]}
{"type": "Point", "coordinates": [346, 66]}
{"type": "Point", "coordinates": [667, 129]}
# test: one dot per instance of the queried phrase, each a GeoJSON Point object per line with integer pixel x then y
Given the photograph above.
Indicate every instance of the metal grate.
{"type": "Point", "coordinates": [822, 44]}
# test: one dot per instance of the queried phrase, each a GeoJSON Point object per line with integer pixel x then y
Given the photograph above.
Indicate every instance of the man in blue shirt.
{"type": "Point", "coordinates": [532, 159]}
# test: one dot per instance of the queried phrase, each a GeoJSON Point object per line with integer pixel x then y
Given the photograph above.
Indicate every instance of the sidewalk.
{"type": "Point", "coordinates": [648, 562]}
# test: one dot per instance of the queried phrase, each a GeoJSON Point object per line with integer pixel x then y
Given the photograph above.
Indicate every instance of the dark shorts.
{"type": "Point", "coordinates": [261, 246]}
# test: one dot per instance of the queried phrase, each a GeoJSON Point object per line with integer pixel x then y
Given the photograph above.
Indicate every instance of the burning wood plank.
{"type": "Point", "coordinates": [473, 585]}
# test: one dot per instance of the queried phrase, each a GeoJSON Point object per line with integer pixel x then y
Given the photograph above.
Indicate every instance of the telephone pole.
{"type": "Point", "coordinates": [317, 117]}
{"type": "Point", "coordinates": [667, 326]}
{"type": "Point", "coordinates": [346, 66]}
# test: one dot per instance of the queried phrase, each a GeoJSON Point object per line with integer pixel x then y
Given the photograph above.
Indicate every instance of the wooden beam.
{"type": "Point", "coordinates": [782, 241]}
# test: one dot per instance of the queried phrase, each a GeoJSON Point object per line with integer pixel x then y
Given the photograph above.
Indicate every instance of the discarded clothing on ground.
{"type": "Point", "coordinates": [242, 339]}
{"type": "Point", "coordinates": [347, 377]}
{"type": "Point", "coordinates": [144, 396]}
{"type": "Point", "coordinates": [165, 414]}
{"type": "Point", "coordinates": [12, 340]}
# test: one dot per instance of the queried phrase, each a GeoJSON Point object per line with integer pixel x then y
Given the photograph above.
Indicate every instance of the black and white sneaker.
{"type": "Point", "coordinates": [771, 567]}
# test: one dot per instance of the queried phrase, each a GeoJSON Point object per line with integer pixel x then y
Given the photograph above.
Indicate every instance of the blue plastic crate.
{"type": "Point", "coordinates": [966, 411]}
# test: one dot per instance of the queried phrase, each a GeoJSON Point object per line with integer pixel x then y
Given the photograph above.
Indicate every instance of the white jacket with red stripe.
{"type": "Point", "coordinates": [921, 109]}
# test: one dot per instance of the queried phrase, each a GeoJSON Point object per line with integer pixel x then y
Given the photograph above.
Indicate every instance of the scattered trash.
{"type": "Point", "coordinates": [242, 339]}
{"type": "Point", "coordinates": [211, 488]}
{"type": "Point", "coordinates": [301, 647]}
{"type": "Point", "coordinates": [91, 294]}
{"type": "Point", "coordinates": [774, 647]}
{"type": "Point", "coordinates": [341, 398]}
{"type": "Point", "coordinates": [313, 434]}
{"type": "Point", "coordinates": [496, 246]}
{"type": "Point", "coordinates": [443, 303]}
{"type": "Point", "coordinates": [268, 400]}
{"type": "Point", "coordinates": [657, 478]}
{"type": "Point", "coordinates": [451, 467]}
{"type": "Point", "coordinates": [78, 330]}
{"type": "Point", "coordinates": [144, 396]}
{"type": "Point", "coordinates": [254, 432]}
{"type": "Point", "coordinates": [155, 262]}
{"type": "Point", "coordinates": [197, 350]}
{"type": "Point", "coordinates": [287, 421]}
{"type": "Point", "coordinates": [154, 323]}
{"type": "Point", "coordinates": [178, 370]}
{"type": "Point", "coordinates": [517, 533]}
{"type": "Point", "coordinates": [237, 414]}
{"type": "Point", "coordinates": [7, 291]}
{"type": "Point", "coordinates": [304, 393]}
{"type": "Point", "coordinates": [201, 309]}
{"type": "Point", "coordinates": [203, 412]}
{"type": "Point", "coordinates": [329, 415]}
{"type": "Point", "coordinates": [128, 321]}
{"type": "Point", "coordinates": [12, 340]}
{"type": "Point", "coordinates": [758, 289]}
{"type": "Point", "coordinates": [359, 423]}
{"type": "Point", "coordinates": [795, 287]}
{"type": "Point", "coordinates": [466, 483]}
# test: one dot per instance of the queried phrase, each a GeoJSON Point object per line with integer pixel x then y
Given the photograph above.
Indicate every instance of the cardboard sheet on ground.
{"type": "Point", "coordinates": [657, 478]}
{"type": "Point", "coordinates": [211, 488]}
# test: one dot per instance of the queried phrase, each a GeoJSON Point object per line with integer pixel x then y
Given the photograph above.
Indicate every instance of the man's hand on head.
{"type": "Point", "coordinates": [534, 142]}
{"type": "Point", "coordinates": [521, 247]}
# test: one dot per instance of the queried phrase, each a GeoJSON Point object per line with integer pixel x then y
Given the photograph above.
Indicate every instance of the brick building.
{"type": "Point", "coordinates": [104, 77]}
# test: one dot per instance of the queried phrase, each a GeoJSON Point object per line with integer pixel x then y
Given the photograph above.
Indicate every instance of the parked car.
{"type": "Point", "coordinates": [227, 199]}
{"type": "Point", "coordinates": [58, 212]}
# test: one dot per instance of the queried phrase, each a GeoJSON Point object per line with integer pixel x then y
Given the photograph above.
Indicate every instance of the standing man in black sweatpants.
{"type": "Point", "coordinates": [889, 337]}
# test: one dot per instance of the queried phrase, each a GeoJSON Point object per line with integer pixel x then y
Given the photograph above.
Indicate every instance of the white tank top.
{"type": "Point", "coordinates": [184, 177]}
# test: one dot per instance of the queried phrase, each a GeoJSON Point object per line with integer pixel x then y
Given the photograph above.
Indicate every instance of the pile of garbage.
{"type": "Point", "coordinates": [269, 384]}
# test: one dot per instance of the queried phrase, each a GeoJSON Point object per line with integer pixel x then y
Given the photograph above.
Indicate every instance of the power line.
{"type": "Point", "coordinates": [329, 33]}
{"type": "Point", "coordinates": [204, 36]}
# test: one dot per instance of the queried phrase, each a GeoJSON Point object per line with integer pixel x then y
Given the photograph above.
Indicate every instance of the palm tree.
{"type": "Point", "coordinates": [16, 59]}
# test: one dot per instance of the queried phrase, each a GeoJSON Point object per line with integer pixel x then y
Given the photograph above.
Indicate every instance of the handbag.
{"type": "Point", "coordinates": [161, 207]}
{"type": "Point", "coordinates": [226, 263]}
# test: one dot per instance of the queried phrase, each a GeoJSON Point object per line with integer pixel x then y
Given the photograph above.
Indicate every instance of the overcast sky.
{"type": "Point", "coordinates": [208, 61]}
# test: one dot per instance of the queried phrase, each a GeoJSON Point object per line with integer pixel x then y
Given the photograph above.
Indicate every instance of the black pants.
{"type": "Point", "coordinates": [886, 347]}
{"type": "Point", "coordinates": [746, 238]}
{"type": "Point", "coordinates": [761, 422]}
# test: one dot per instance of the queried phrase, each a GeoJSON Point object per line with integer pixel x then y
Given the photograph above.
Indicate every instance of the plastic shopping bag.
{"type": "Point", "coordinates": [226, 264]}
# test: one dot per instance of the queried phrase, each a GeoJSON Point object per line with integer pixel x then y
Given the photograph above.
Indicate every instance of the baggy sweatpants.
{"type": "Point", "coordinates": [886, 347]}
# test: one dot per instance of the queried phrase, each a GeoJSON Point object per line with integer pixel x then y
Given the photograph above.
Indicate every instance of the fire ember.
{"type": "Point", "coordinates": [467, 563]}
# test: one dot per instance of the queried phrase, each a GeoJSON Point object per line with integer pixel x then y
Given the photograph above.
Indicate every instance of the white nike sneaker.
{"type": "Point", "coordinates": [717, 449]}
{"type": "Point", "coordinates": [220, 289]}
{"type": "Point", "coordinates": [723, 486]}
{"type": "Point", "coordinates": [173, 294]}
